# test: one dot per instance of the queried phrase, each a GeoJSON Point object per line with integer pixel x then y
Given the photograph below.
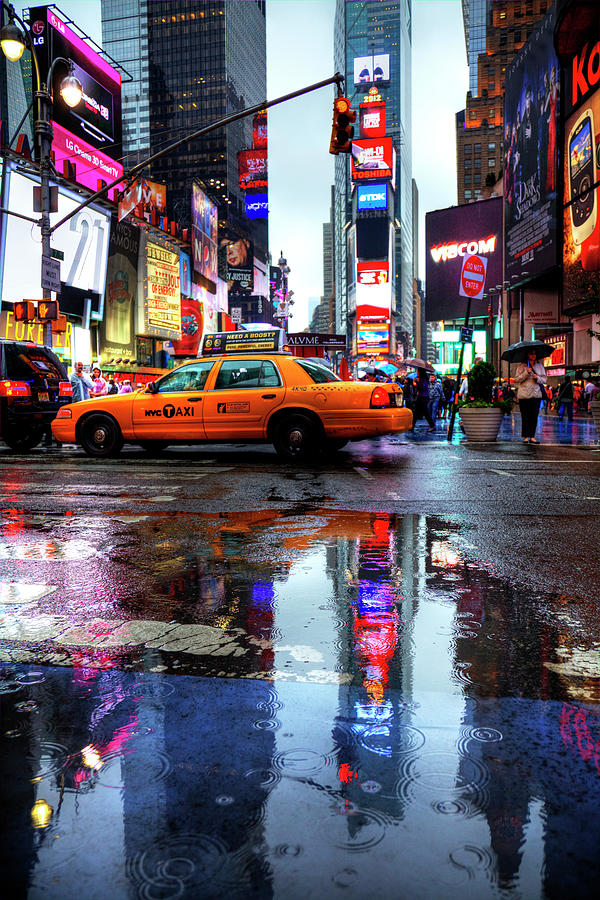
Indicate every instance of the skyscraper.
{"type": "Point", "coordinates": [193, 62]}
{"type": "Point", "coordinates": [363, 28]}
{"type": "Point", "coordinates": [495, 30]}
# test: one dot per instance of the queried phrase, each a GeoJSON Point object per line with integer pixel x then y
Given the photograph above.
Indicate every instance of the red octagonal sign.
{"type": "Point", "coordinates": [472, 277]}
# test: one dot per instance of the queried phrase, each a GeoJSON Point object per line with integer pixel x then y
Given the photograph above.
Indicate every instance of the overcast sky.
{"type": "Point", "coordinates": [299, 53]}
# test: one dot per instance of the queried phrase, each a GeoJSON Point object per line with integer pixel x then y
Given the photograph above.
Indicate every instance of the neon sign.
{"type": "Point", "coordinates": [444, 252]}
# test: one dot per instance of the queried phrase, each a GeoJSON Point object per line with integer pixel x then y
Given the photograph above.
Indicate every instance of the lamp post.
{"type": "Point", "coordinates": [286, 296]}
{"type": "Point", "coordinates": [13, 42]}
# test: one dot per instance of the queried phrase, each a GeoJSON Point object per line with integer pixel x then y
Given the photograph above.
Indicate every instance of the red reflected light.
{"type": "Point", "coordinates": [14, 389]}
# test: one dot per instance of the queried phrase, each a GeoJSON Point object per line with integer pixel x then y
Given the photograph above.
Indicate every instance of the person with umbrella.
{"type": "Point", "coordinates": [530, 376]}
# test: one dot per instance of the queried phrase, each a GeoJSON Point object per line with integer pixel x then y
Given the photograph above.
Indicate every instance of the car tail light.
{"type": "Point", "coordinates": [380, 397]}
{"type": "Point", "coordinates": [64, 413]}
{"type": "Point", "coordinates": [14, 389]}
{"type": "Point", "coordinates": [65, 389]}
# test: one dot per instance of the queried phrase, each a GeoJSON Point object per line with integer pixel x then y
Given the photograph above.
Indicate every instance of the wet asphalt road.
{"type": "Point", "coordinates": [222, 675]}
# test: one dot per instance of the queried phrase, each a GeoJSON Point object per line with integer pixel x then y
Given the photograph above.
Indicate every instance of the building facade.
{"type": "Point", "coordinates": [370, 28]}
{"type": "Point", "coordinates": [193, 62]}
{"type": "Point", "coordinates": [495, 30]}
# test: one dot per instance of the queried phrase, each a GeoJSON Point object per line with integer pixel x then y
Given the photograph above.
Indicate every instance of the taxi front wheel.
{"type": "Point", "coordinates": [295, 438]}
{"type": "Point", "coordinates": [101, 436]}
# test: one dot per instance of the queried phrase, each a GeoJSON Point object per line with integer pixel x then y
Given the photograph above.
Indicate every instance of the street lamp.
{"type": "Point", "coordinates": [13, 42]}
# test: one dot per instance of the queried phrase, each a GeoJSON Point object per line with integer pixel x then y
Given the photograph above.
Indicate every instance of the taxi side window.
{"type": "Point", "coordinates": [188, 378]}
{"type": "Point", "coordinates": [247, 373]}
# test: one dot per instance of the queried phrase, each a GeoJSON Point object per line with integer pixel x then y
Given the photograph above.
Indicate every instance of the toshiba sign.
{"type": "Point", "coordinates": [451, 235]}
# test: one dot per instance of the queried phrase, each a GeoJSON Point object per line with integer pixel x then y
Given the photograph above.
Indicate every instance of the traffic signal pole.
{"type": "Point", "coordinates": [132, 173]}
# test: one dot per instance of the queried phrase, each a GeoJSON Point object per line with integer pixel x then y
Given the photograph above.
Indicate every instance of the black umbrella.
{"type": "Point", "coordinates": [520, 351]}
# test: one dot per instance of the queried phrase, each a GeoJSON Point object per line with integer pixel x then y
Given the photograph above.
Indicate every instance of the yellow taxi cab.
{"type": "Point", "coordinates": [244, 388]}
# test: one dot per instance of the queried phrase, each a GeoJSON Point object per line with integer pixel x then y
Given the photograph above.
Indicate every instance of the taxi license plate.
{"type": "Point", "coordinates": [43, 396]}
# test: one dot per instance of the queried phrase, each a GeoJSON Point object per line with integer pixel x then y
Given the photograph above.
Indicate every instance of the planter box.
{"type": "Point", "coordinates": [481, 424]}
{"type": "Point", "coordinates": [595, 411]}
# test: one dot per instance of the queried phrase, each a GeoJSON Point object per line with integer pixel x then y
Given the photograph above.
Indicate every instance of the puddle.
{"type": "Point", "coordinates": [243, 703]}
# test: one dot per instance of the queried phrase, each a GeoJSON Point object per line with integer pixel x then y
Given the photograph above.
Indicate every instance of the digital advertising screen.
{"type": "Point", "coordinates": [162, 306]}
{"type": "Point", "coordinates": [372, 69]}
{"type": "Point", "coordinates": [236, 263]}
{"type": "Point", "coordinates": [259, 130]}
{"type": "Point", "coordinates": [450, 235]}
{"type": "Point", "coordinates": [372, 119]}
{"type": "Point", "coordinates": [531, 119]}
{"type": "Point", "coordinates": [371, 196]}
{"type": "Point", "coordinates": [89, 135]}
{"type": "Point", "coordinates": [205, 225]}
{"type": "Point", "coordinates": [256, 206]}
{"type": "Point", "coordinates": [372, 158]}
{"type": "Point", "coordinates": [253, 168]}
{"type": "Point", "coordinates": [117, 333]}
{"type": "Point", "coordinates": [372, 338]}
{"type": "Point", "coordinates": [373, 301]}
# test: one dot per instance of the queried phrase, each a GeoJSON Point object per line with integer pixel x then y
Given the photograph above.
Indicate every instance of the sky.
{"type": "Point", "coordinates": [300, 53]}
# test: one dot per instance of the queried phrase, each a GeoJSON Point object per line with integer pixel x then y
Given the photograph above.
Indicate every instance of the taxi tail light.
{"type": "Point", "coordinates": [14, 389]}
{"type": "Point", "coordinates": [380, 398]}
{"type": "Point", "coordinates": [64, 412]}
{"type": "Point", "coordinates": [65, 389]}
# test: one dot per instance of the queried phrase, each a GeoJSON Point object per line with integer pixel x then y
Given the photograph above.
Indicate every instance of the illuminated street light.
{"type": "Point", "coordinates": [12, 41]}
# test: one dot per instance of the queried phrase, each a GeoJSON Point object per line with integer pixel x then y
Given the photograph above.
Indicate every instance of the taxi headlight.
{"type": "Point", "coordinates": [64, 413]}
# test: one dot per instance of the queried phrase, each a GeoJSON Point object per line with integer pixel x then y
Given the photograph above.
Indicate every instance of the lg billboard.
{"type": "Point", "coordinates": [450, 235]}
{"type": "Point", "coordinates": [88, 136]}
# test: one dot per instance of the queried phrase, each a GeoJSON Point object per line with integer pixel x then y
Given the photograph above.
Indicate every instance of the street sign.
{"type": "Point", "coordinates": [56, 254]}
{"type": "Point", "coordinates": [50, 274]}
{"type": "Point", "coordinates": [472, 277]}
{"type": "Point", "coordinates": [235, 314]}
{"type": "Point", "coordinates": [466, 335]}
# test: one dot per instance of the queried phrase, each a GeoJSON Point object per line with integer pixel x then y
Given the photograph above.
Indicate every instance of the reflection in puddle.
{"type": "Point", "coordinates": [397, 715]}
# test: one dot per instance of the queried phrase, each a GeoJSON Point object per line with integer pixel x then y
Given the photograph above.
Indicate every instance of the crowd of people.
{"type": "Point", "coordinates": [86, 385]}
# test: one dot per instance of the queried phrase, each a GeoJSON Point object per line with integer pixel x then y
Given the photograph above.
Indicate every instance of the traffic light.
{"type": "Point", "coordinates": [59, 325]}
{"type": "Point", "coordinates": [48, 311]}
{"type": "Point", "coordinates": [342, 130]}
{"type": "Point", "coordinates": [25, 311]}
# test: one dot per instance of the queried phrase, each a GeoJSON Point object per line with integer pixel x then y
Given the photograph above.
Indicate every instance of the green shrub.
{"type": "Point", "coordinates": [481, 382]}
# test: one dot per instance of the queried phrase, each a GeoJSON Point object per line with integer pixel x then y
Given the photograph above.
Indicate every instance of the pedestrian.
{"type": "Point", "coordinates": [564, 399]}
{"type": "Point", "coordinates": [530, 376]}
{"type": "Point", "coordinates": [421, 407]}
{"type": "Point", "coordinates": [463, 390]}
{"type": "Point", "coordinates": [448, 386]}
{"type": "Point", "coordinates": [126, 387]}
{"type": "Point", "coordinates": [100, 387]}
{"type": "Point", "coordinates": [81, 383]}
{"type": "Point", "coordinates": [112, 387]}
{"type": "Point", "coordinates": [436, 396]}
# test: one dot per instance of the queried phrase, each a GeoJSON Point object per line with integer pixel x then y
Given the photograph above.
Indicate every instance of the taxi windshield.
{"type": "Point", "coordinates": [317, 372]}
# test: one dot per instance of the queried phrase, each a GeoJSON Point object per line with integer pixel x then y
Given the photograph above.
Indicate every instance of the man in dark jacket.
{"type": "Point", "coordinates": [421, 406]}
{"type": "Point", "coordinates": [565, 399]}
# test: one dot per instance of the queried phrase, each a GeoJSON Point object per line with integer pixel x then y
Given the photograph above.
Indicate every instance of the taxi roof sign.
{"type": "Point", "coordinates": [271, 340]}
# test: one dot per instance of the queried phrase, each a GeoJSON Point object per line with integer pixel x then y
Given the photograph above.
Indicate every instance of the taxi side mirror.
{"type": "Point", "coordinates": [152, 387]}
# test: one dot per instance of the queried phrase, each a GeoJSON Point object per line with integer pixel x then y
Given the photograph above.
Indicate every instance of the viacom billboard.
{"type": "Point", "coordinates": [371, 196]}
{"type": "Point", "coordinates": [450, 235]}
{"type": "Point", "coordinates": [256, 206]}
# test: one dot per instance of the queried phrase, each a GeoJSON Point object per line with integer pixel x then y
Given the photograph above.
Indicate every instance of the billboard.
{"type": "Point", "coordinates": [372, 119]}
{"type": "Point", "coordinates": [450, 235]}
{"type": "Point", "coordinates": [88, 136]}
{"type": "Point", "coordinates": [372, 338]}
{"type": "Point", "coordinates": [117, 333]}
{"type": "Point", "coordinates": [205, 224]}
{"type": "Point", "coordinates": [162, 306]}
{"type": "Point", "coordinates": [372, 69]}
{"type": "Point", "coordinates": [531, 157]}
{"type": "Point", "coordinates": [373, 272]}
{"type": "Point", "coordinates": [256, 206]}
{"type": "Point", "coordinates": [371, 196]}
{"type": "Point", "coordinates": [581, 168]}
{"type": "Point", "coordinates": [372, 158]}
{"type": "Point", "coordinates": [236, 258]}
{"type": "Point", "coordinates": [83, 240]}
{"type": "Point", "coordinates": [253, 169]}
{"type": "Point", "coordinates": [259, 130]}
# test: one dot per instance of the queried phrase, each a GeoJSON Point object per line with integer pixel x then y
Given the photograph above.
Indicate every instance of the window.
{"type": "Point", "coordinates": [247, 373]}
{"type": "Point", "coordinates": [187, 378]}
{"type": "Point", "coordinates": [477, 148]}
{"type": "Point", "coordinates": [467, 179]}
{"type": "Point", "coordinates": [491, 147]}
{"type": "Point", "coordinates": [491, 71]}
{"type": "Point", "coordinates": [468, 163]}
{"type": "Point", "coordinates": [492, 113]}
{"type": "Point", "coordinates": [477, 178]}
{"type": "Point", "coordinates": [517, 36]}
{"type": "Point", "coordinates": [317, 372]}
{"type": "Point", "coordinates": [478, 163]}
{"type": "Point", "coordinates": [468, 149]}
{"type": "Point", "coordinates": [468, 195]}
{"type": "Point", "coordinates": [473, 114]}
{"type": "Point", "coordinates": [491, 85]}
{"type": "Point", "coordinates": [491, 163]}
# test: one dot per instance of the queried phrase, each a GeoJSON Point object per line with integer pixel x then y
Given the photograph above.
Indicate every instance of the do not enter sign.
{"type": "Point", "coordinates": [472, 277]}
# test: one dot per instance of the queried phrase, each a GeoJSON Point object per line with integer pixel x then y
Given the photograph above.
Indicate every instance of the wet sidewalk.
{"type": "Point", "coordinates": [551, 430]}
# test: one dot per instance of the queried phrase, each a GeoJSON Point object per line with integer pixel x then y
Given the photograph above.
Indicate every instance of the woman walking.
{"type": "Point", "coordinates": [529, 377]}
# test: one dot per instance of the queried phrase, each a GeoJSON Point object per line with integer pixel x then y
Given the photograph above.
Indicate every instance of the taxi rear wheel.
{"type": "Point", "coordinates": [101, 436]}
{"type": "Point", "coordinates": [295, 438]}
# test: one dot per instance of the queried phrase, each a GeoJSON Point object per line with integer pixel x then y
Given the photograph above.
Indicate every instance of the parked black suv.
{"type": "Point", "coordinates": [34, 384]}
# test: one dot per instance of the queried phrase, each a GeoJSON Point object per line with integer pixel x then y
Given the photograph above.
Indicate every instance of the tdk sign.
{"type": "Point", "coordinates": [371, 196]}
{"type": "Point", "coordinates": [257, 206]}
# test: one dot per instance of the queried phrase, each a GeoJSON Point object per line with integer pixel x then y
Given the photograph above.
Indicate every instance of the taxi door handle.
{"type": "Point", "coordinates": [269, 396]}
{"type": "Point", "coordinates": [193, 400]}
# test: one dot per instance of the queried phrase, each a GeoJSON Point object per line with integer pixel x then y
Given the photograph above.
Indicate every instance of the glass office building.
{"type": "Point", "coordinates": [193, 62]}
{"type": "Point", "coordinates": [364, 27]}
{"type": "Point", "coordinates": [475, 16]}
